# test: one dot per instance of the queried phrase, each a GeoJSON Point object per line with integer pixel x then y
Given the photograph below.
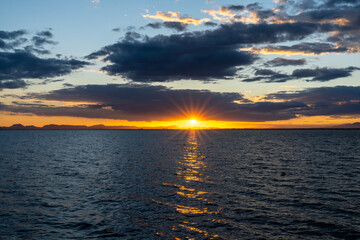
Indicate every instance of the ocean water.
{"type": "Point", "coordinates": [162, 184]}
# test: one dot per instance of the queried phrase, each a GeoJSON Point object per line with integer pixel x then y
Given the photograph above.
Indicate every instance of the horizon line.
{"type": "Point", "coordinates": [352, 126]}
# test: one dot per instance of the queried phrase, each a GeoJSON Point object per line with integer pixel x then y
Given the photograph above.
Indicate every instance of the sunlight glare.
{"type": "Point", "coordinates": [193, 121]}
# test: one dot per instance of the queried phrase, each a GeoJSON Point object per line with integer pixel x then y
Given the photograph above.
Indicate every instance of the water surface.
{"type": "Point", "coordinates": [141, 184]}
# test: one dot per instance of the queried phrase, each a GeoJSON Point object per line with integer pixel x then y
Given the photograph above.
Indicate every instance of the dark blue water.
{"type": "Point", "coordinates": [245, 184]}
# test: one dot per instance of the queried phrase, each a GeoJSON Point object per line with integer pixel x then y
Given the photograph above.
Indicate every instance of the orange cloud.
{"type": "Point", "coordinates": [222, 15]}
{"type": "Point", "coordinates": [175, 17]}
{"type": "Point", "coordinates": [227, 15]}
{"type": "Point", "coordinates": [270, 50]}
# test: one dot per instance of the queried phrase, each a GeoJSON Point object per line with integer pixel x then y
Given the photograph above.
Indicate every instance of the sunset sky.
{"type": "Point", "coordinates": [147, 63]}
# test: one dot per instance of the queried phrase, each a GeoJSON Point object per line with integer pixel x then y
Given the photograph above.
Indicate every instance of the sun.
{"type": "Point", "coordinates": [193, 121]}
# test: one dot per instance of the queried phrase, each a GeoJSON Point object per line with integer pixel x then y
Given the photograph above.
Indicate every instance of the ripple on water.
{"type": "Point", "coordinates": [180, 184]}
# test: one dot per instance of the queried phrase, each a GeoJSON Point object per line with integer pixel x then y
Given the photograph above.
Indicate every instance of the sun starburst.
{"type": "Point", "coordinates": [193, 121]}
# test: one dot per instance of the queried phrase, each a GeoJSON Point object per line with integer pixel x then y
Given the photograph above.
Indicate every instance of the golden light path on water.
{"type": "Point", "coordinates": [190, 171]}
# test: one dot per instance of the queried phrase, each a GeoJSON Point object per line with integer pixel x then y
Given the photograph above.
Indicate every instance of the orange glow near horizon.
{"type": "Point", "coordinates": [8, 119]}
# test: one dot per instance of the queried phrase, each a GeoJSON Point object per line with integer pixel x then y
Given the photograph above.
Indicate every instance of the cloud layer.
{"type": "Point", "coordinates": [310, 74]}
{"type": "Point", "coordinates": [19, 61]}
{"type": "Point", "coordinates": [244, 32]}
{"type": "Point", "coordinates": [148, 103]}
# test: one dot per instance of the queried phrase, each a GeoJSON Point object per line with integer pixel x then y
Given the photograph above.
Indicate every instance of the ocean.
{"type": "Point", "coordinates": [180, 184]}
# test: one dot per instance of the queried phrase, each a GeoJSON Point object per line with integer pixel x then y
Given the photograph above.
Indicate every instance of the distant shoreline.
{"type": "Point", "coordinates": [353, 126]}
{"type": "Point", "coordinates": [178, 129]}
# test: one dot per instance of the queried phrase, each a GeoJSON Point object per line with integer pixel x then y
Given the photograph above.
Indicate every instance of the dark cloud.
{"type": "Point", "coordinates": [178, 26]}
{"type": "Point", "coordinates": [175, 25]}
{"type": "Point", "coordinates": [40, 51]}
{"type": "Point", "coordinates": [253, 6]}
{"type": "Point", "coordinates": [341, 14]}
{"type": "Point", "coordinates": [46, 34]}
{"type": "Point", "coordinates": [264, 14]}
{"type": "Point", "coordinates": [12, 65]}
{"type": "Point", "coordinates": [129, 36]}
{"type": "Point", "coordinates": [42, 38]}
{"type": "Point", "coordinates": [21, 64]}
{"type": "Point", "coordinates": [2, 44]}
{"type": "Point", "coordinates": [68, 85]}
{"type": "Point", "coordinates": [346, 18]}
{"type": "Point", "coordinates": [269, 78]}
{"type": "Point", "coordinates": [116, 29]}
{"type": "Point", "coordinates": [195, 55]}
{"type": "Point", "coordinates": [41, 41]}
{"type": "Point", "coordinates": [311, 96]}
{"type": "Point", "coordinates": [11, 84]}
{"type": "Point", "coordinates": [11, 35]}
{"type": "Point", "coordinates": [210, 24]}
{"type": "Point", "coordinates": [11, 39]}
{"type": "Point", "coordinates": [156, 25]}
{"type": "Point", "coordinates": [339, 100]}
{"type": "Point", "coordinates": [279, 62]}
{"type": "Point", "coordinates": [234, 7]}
{"type": "Point", "coordinates": [324, 74]}
{"type": "Point", "coordinates": [147, 102]}
{"type": "Point", "coordinates": [264, 72]}
{"type": "Point", "coordinates": [317, 74]}
{"type": "Point", "coordinates": [144, 102]}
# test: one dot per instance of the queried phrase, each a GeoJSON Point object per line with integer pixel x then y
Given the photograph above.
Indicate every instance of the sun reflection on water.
{"type": "Point", "coordinates": [194, 207]}
{"type": "Point", "coordinates": [192, 161]}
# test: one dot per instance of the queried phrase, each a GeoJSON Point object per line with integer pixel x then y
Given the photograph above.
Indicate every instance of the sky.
{"type": "Point", "coordinates": [146, 63]}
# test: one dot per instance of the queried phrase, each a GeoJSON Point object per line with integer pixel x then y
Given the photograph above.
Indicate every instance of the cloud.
{"type": "Point", "coordinates": [148, 103]}
{"type": "Point", "coordinates": [21, 64]}
{"type": "Point", "coordinates": [341, 13]}
{"type": "Point", "coordinates": [337, 95]}
{"type": "Point", "coordinates": [312, 75]}
{"type": "Point", "coordinates": [279, 62]}
{"type": "Point", "coordinates": [304, 48]}
{"type": "Point", "coordinates": [252, 13]}
{"type": "Point", "coordinates": [178, 26]}
{"type": "Point", "coordinates": [247, 31]}
{"type": "Point", "coordinates": [264, 72]}
{"type": "Point", "coordinates": [175, 17]}
{"type": "Point", "coordinates": [223, 14]}
{"type": "Point", "coordinates": [339, 100]}
{"type": "Point", "coordinates": [210, 24]}
{"type": "Point", "coordinates": [324, 74]}
{"type": "Point", "coordinates": [11, 35]}
{"type": "Point", "coordinates": [12, 39]}
{"type": "Point", "coordinates": [11, 84]}
{"type": "Point", "coordinates": [68, 85]}
{"type": "Point", "coordinates": [145, 102]}
{"type": "Point", "coordinates": [195, 55]}
{"type": "Point", "coordinates": [43, 38]}
{"type": "Point", "coordinates": [234, 7]}
{"type": "Point", "coordinates": [268, 76]}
